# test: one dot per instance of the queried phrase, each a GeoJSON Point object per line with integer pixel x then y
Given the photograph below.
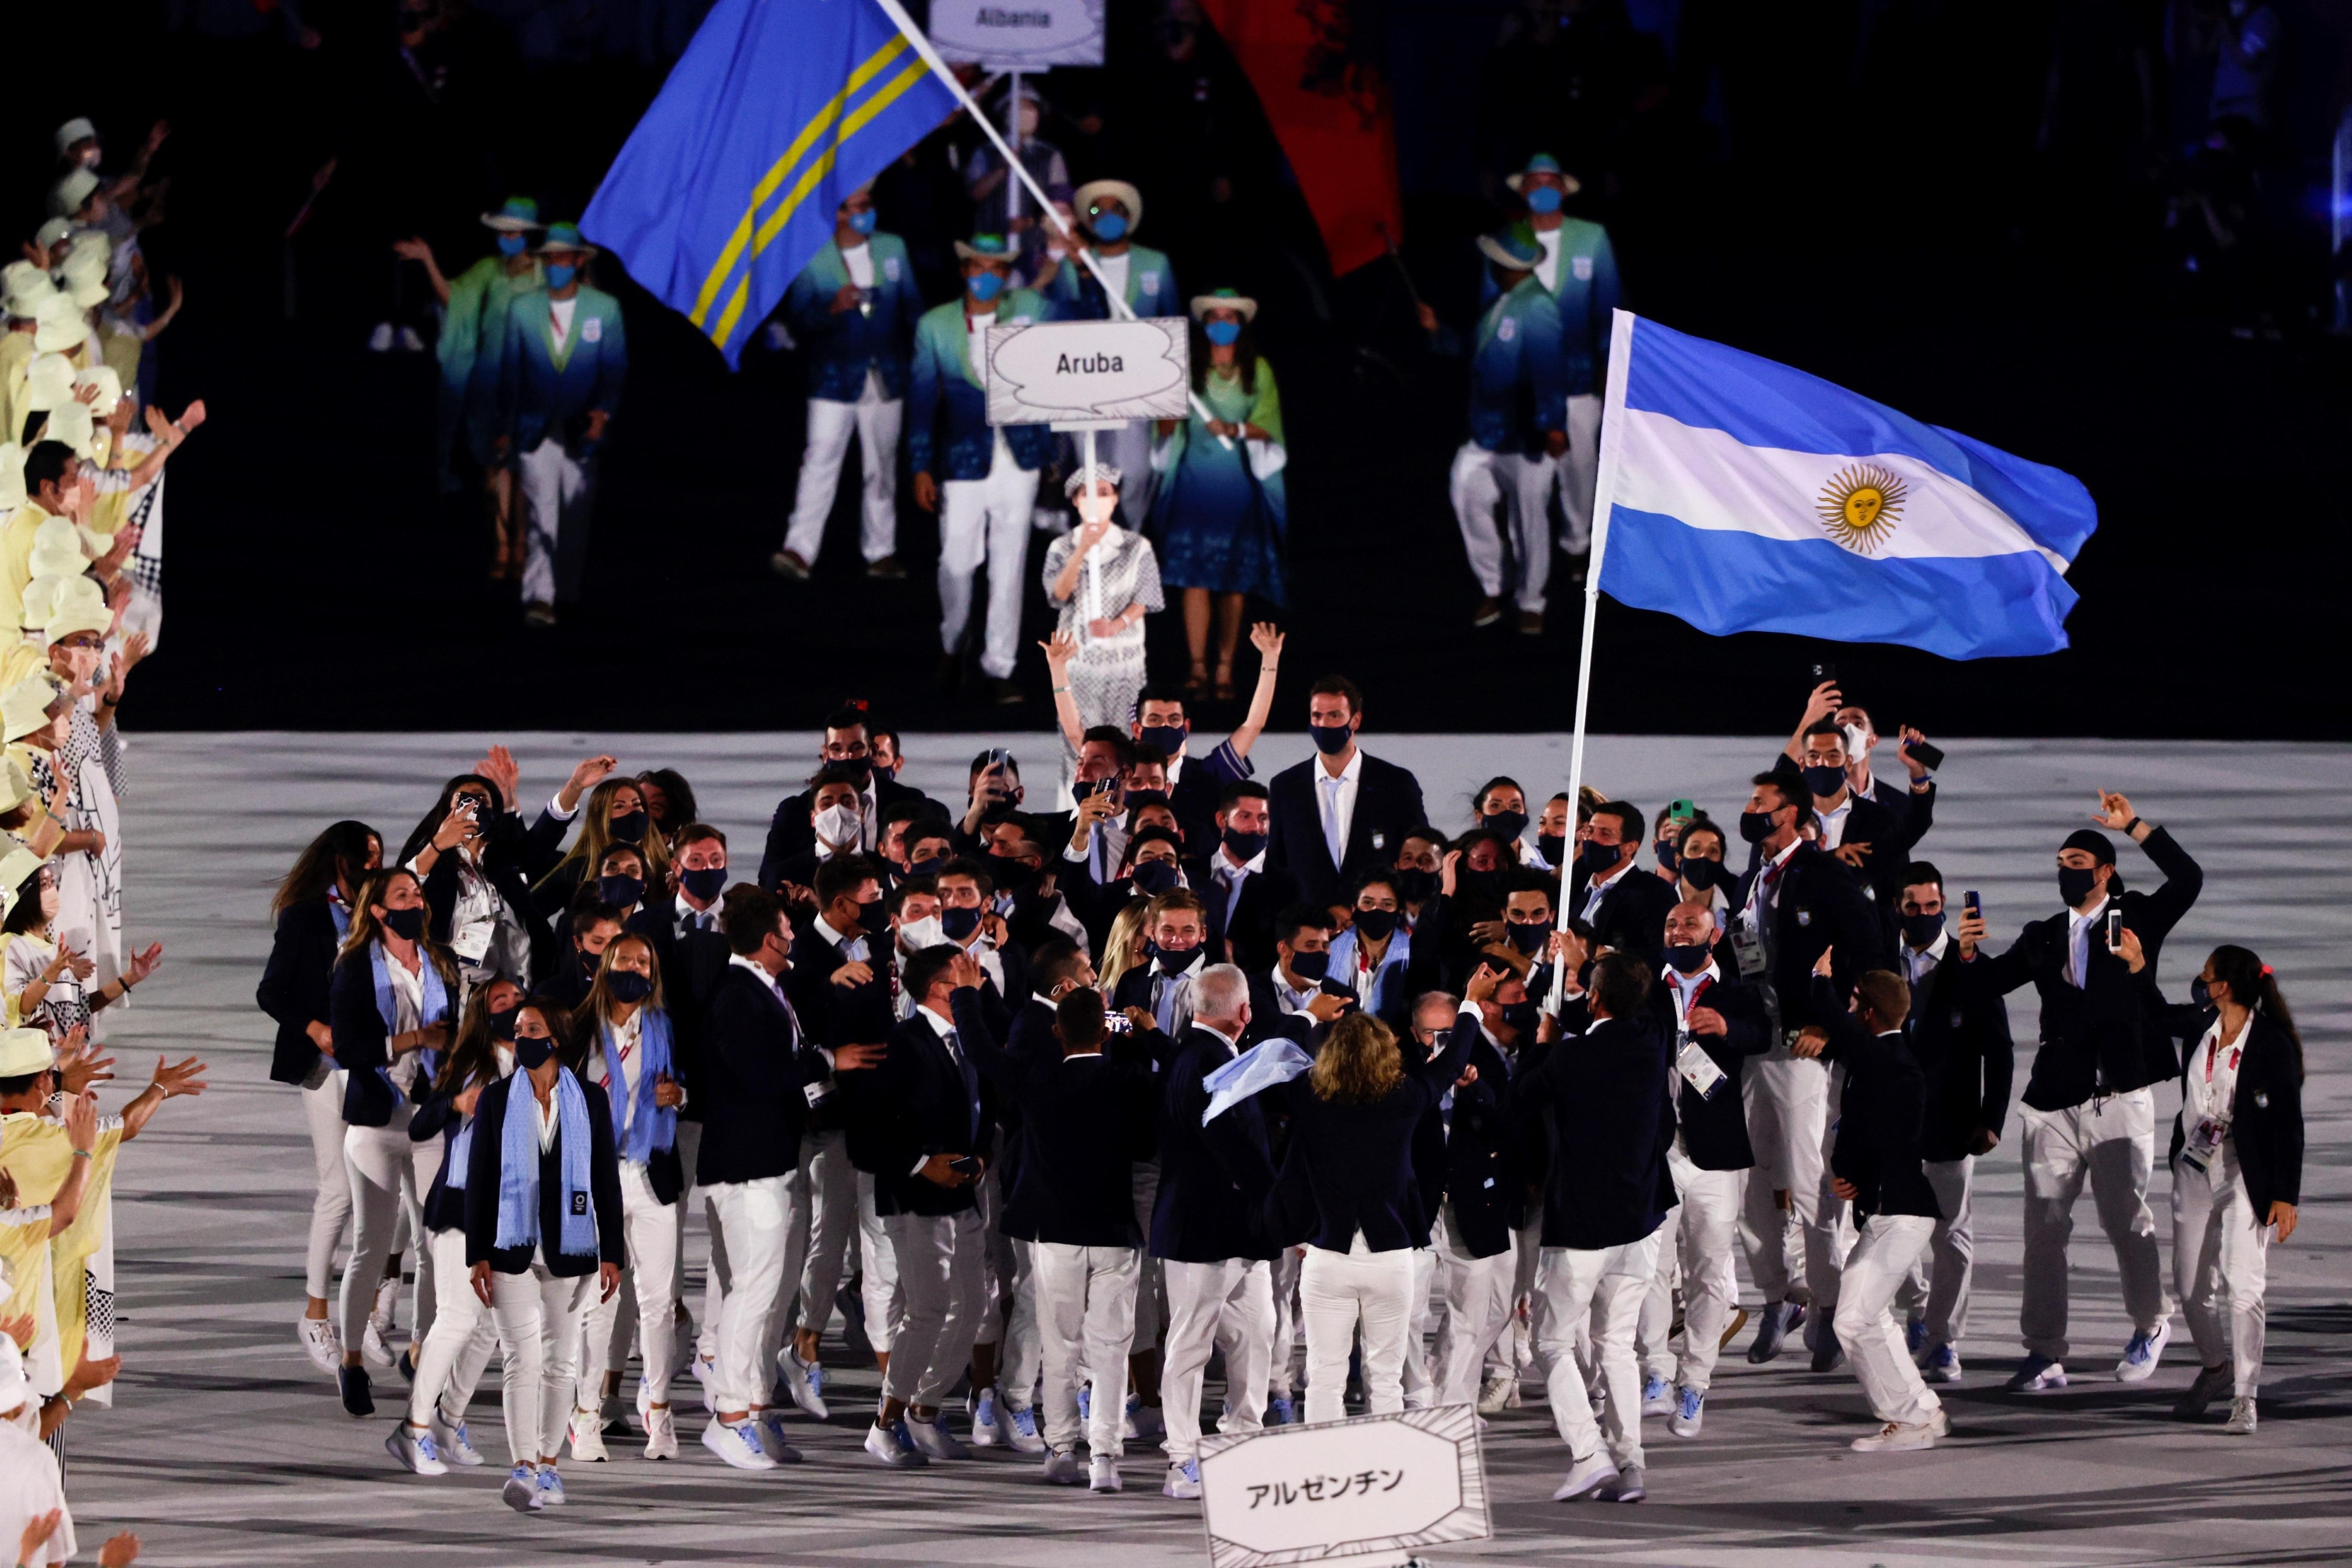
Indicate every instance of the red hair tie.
{"type": "Point", "coordinates": [2266, 969]}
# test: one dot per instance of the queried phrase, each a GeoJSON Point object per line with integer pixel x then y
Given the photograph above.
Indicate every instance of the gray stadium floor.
{"type": "Point", "coordinates": [227, 1447]}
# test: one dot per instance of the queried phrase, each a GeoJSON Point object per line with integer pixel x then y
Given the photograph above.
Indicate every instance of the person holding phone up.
{"type": "Point", "coordinates": [2090, 1106]}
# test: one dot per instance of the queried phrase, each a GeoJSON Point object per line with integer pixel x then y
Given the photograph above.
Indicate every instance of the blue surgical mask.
{"type": "Point", "coordinates": [560, 274]}
{"type": "Point", "coordinates": [1110, 227]}
{"type": "Point", "coordinates": [1224, 334]}
{"type": "Point", "coordinates": [862, 223]}
{"type": "Point", "coordinates": [512, 244]}
{"type": "Point", "coordinates": [1543, 199]}
{"type": "Point", "coordinates": [986, 285]}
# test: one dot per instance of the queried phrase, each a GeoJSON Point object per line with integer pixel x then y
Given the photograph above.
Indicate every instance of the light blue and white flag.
{"type": "Point", "coordinates": [1741, 495]}
{"type": "Point", "coordinates": [1274, 1060]}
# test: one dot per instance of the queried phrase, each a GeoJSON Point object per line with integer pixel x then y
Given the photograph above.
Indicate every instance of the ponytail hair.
{"type": "Point", "coordinates": [2251, 984]}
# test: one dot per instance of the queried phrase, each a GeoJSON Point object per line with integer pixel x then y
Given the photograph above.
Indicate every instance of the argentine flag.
{"type": "Point", "coordinates": [1741, 495]}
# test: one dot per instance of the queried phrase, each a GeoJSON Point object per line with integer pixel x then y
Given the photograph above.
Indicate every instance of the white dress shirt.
{"type": "Point", "coordinates": [1599, 889]}
{"type": "Point", "coordinates": [1832, 821]}
{"type": "Point", "coordinates": [1230, 875]}
{"type": "Point", "coordinates": [1335, 802]}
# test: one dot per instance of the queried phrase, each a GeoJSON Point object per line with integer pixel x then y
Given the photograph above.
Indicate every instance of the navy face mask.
{"type": "Point", "coordinates": [1521, 1017]}
{"type": "Point", "coordinates": [2199, 994]}
{"type": "Point", "coordinates": [1703, 873]}
{"type": "Point", "coordinates": [1377, 925]}
{"type": "Point", "coordinates": [502, 1023]}
{"type": "Point", "coordinates": [1505, 826]}
{"type": "Point", "coordinates": [628, 986]}
{"type": "Point", "coordinates": [406, 924]}
{"type": "Point", "coordinates": [1551, 847]}
{"type": "Point", "coordinates": [705, 883]}
{"type": "Point", "coordinates": [1687, 957]}
{"type": "Point", "coordinates": [1244, 846]}
{"type": "Point", "coordinates": [931, 868]}
{"type": "Point", "coordinates": [1416, 886]}
{"type": "Point", "coordinates": [1920, 930]}
{"type": "Point", "coordinates": [1331, 738]}
{"type": "Point", "coordinates": [1177, 960]}
{"type": "Point", "coordinates": [874, 917]}
{"type": "Point", "coordinates": [1665, 851]}
{"type": "Point", "coordinates": [531, 1051]}
{"type": "Point", "coordinates": [629, 829]}
{"type": "Point", "coordinates": [620, 892]}
{"type": "Point", "coordinates": [1755, 826]}
{"type": "Point", "coordinates": [1530, 938]}
{"type": "Point", "coordinates": [1824, 779]}
{"type": "Point", "coordinates": [1155, 877]}
{"type": "Point", "coordinates": [2074, 885]}
{"type": "Point", "coordinates": [1596, 860]}
{"type": "Point", "coordinates": [1310, 965]}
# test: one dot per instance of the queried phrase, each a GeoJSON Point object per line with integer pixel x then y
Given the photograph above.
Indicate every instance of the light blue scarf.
{"type": "Point", "coordinates": [1276, 1059]}
{"type": "Point", "coordinates": [518, 1167]}
{"type": "Point", "coordinates": [435, 1010]}
{"type": "Point", "coordinates": [651, 1127]}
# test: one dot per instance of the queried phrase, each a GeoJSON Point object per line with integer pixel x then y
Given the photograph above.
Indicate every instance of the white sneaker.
{"type": "Point", "coordinates": [2242, 1418]}
{"type": "Point", "coordinates": [987, 1419]}
{"type": "Point", "coordinates": [1063, 1469]}
{"type": "Point", "coordinates": [414, 1450]}
{"type": "Point", "coordinates": [453, 1443]}
{"type": "Point", "coordinates": [1626, 1487]}
{"type": "Point", "coordinates": [1896, 1438]}
{"type": "Point", "coordinates": [588, 1438]}
{"type": "Point", "coordinates": [2037, 1374]}
{"type": "Point", "coordinates": [1143, 1423]}
{"type": "Point", "coordinates": [2142, 1355]}
{"type": "Point", "coordinates": [1689, 1413]}
{"type": "Point", "coordinates": [1657, 1396]}
{"type": "Point", "coordinates": [411, 342]}
{"type": "Point", "coordinates": [1493, 1392]}
{"type": "Point", "coordinates": [934, 1441]}
{"type": "Point", "coordinates": [521, 1492]}
{"type": "Point", "coordinates": [1020, 1429]}
{"type": "Point", "coordinates": [798, 1383]}
{"type": "Point", "coordinates": [1941, 1422]}
{"type": "Point", "coordinates": [704, 1369]}
{"type": "Point", "coordinates": [1102, 1471]}
{"type": "Point", "coordinates": [1587, 1476]}
{"type": "Point", "coordinates": [661, 1435]}
{"type": "Point", "coordinates": [769, 1426]}
{"type": "Point", "coordinates": [320, 1342]}
{"type": "Point", "coordinates": [1942, 1365]}
{"type": "Point", "coordinates": [550, 1486]}
{"type": "Point", "coordinates": [738, 1445]}
{"type": "Point", "coordinates": [1184, 1481]}
{"type": "Point", "coordinates": [894, 1447]}
{"type": "Point", "coordinates": [380, 340]}
{"type": "Point", "coordinates": [373, 1350]}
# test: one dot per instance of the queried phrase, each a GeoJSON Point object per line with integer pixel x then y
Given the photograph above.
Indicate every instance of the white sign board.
{"type": "Point", "coordinates": [1040, 373]}
{"type": "Point", "coordinates": [1370, 1490]}
{"type": "Point", "coordinates": [1019, 34]}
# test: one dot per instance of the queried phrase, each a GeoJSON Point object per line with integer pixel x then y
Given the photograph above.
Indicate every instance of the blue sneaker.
{"type": "Point", "coordinates": [1690, 1409]}
{"type": "Point", "coordinates": [521, 1492]}
{"type": "Point", "coordinates": [816, 1378]}
{"type": "Point", "coordinates": [1183, 1481]}
{"type": "Point", "coordinates": [1657, 1396]}
{"type": "Point", "coordinates": [1143, 1424]}
{"type": "Point", "coordinates": [550, 1486]}
{"type": "Point", "coordinates": [2141, 1355]}
{"type": "Point", "coordinates": [1942, 1366]}
{"type": "Point", "coordinates": [1086, 1401]}
{"type": "Point", "coordinates": [1280, 1412]}
{"type": "Point", "coordinates": [1914, 1336]}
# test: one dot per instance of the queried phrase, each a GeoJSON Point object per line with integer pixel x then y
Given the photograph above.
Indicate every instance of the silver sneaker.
{"type": "Point", "coordinates": [1586, 1476]}
{"type": "Point", "coordinates": [1626, 1487]}
{"type": "Point", "coordinates": [2242, 1418]}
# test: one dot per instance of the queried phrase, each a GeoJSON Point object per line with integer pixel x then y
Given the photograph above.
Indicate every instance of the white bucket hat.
{"type": "Point", "coordinates": [60, 328]}
{"type": "Point", "coordinates": [56, 550]}
{"type": "Point", "coordinates": [49, 383]}
{"type": "Point", "coordinates": [109, 389]}
{"type": "Point", "coordinates": [52, 231]}
{"type": "Point", "coordinates": [24, 1052]}
{"type": "Point", "coordinates": [67, 196]}
{"type": "Point", "coordinates": [75, 605]}
{"type": "Point", "coordinates": [77, 129]}
{"type": "Point", "coordinates": [70, 423]}
{"type": "Point", "coordinates": [24, 708]}
{"type": "Point", "coordinates": [1120, 191]}
{"type": "Point", "coordinates": [23, 287]}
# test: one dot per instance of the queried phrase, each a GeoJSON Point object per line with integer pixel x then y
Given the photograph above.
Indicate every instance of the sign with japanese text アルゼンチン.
{"type": "Point", "coordinates": [1368, 1489]}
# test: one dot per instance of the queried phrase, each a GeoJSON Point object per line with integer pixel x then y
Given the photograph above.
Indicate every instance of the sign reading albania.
{"type": "Point", "coordinates": [1042, 371]}
{"type": "Point", "coordinates": [1019, 34]}
{"type": "Point", "coordinates": [1368, 1490]}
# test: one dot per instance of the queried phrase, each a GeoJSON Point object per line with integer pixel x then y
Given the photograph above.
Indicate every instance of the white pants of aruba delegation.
{"type": "Point", "coordinates": [877, 419]}
{"type": "Point", "coordinates": [1520, 485]}
{"type": "Point", "coordinates": [987, 521]}
{"type": "Point", "coordinates": [1580, 472]}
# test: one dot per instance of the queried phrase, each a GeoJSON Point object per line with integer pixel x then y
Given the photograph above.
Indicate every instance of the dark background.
{"type": "Point", "coordinates": [1989, 214]}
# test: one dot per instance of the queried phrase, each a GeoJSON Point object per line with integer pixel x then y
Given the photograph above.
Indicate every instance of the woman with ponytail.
{"type": "Point", "coordinates": [542, 1227]}
{"type": "Point", "coordinates": [2237, 1165]}
{"type": "Point", "coordinates": [453, 1354]}
{"type": "Point", "coordinates": [628, 1040]}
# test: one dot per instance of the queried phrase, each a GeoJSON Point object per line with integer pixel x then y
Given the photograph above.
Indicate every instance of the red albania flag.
{"type": "Point", "coordinates": [1324, 92]}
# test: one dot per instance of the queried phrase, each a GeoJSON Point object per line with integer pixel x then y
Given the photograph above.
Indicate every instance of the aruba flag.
{"type": "Point", "coordinates": [777, 110]}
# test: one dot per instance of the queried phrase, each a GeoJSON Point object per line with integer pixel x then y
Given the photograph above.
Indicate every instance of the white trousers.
{"type": "Point", "coordinates": [649, 1226]}
{"type": "Point", "coordinates": [1937, 1289]}
{"type": "Point", "coordinates": [1085, 1309]}
{"type": "Point", "coordinates": [1478, 1302]}
{"type": "Point", "coordinates": [1695, 1249]}
{"type": "Point", "coordinates": [1339, 1295]}
{"type": "Point", "coordinates": [1866, 1326]}
{"type": "Point", "coordinates": [1517, 1350]}
{"type": "Point", "coordinates": [987, 521]}
{"type": "Point", "coordinates": [2220, 1260]}
{"type": "Point", "coordinates": [331, 1208]}
{"type": "Point", "coordinates": [877, 1266]}
{"type": "Point", "coordinates": [540, 1322]}
{"type": "Point", "coordinates": [386, 1173]}
{"type": "Point", "coordinates": [750, 1260]}
{"type": "Point", "coordinates": [821, 1205]}
{"type": "Point", "coordinates": [1601, 1290]}
{"type": "Point", "coordinates": [1226, 1306]}
{"type": "Point", "coordinates": [1280, 1376]}
{"type": "Point", "coordinates": [1024, 1361]}
{"type": "Point", "coordinates": [1788, 1101]}
{"type": "Point", "coordinates": [1580, 472]}
{"type": "Point", "coordinates": [2111, 1142]}
{"type": "Point", "coordinates": [939, 1271]}
{"type": "Point", "coordinates": [1152, 1291]}
{"type": "Point", "coordinates": [1421, 1320]}
{"type": "Point", "coordinates": [450, 1364]}
{"type": "Point", "coordinates": [877, 420]}
{"type": "Point", "coordinates": [1520, 485]}
{"type": "Point", "coordinates": [556, 498]}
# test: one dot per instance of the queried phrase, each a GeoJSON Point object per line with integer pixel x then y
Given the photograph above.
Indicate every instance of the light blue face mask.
{"type": "Point", "coordinates": [1224, 334]}
{"type": "Point", "coordinates": [561, 273]}
{"type": "Point", "coordinates": [986, 285]}
{"type": "Point", "coordinates": [1543, 199]}
{"type": "Point", "coordinates": [863, 223]}
{"type": "Point", "coordinates": [512, 244]}
{"type": "Point", "coordinates": [1110, 227]}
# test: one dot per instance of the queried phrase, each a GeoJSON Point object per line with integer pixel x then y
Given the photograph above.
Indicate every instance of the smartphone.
{"type": "Point", "coordinates": [965, 1165]}
{"type": "Point", "coordinates": [1681, 811]}
{"type": "Point", "coordinates": [1086, 787]}
{"type": "Point", "coordinates": [1824, 671]}
{"type": "Point", "coordinates": [1972, 902]}
{"type": "Point", "coordinates": [1931, 755]}
{"type": "Point", "coordinates": [2115, 928]}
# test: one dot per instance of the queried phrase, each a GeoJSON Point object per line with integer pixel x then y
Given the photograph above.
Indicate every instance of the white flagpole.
{"type": "Point", "coordinates": [930, 57]}
{"type": "Point", "coordinates": [1621, 355]}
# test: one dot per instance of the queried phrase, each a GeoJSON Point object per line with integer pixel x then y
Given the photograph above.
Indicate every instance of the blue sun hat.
{"type": "Point", "coordinates": [1516, 248]}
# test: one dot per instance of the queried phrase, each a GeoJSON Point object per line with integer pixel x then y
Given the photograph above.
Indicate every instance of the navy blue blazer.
{"type": "Point", "coordinates": [1479, 1174]}
{"type": "Point", "coordinates": [756, 1063]}
{"type": "Point", "coordinates": [1603, 1096]}
{"type": "Point", "coordinates": [295, 984]}
{"type": "Point", "coordinates": [482, 1189]}
{"type": "Point", "coordinates": [361, 1040]}
{"type": "Point", "coordinates": [1388, 807]}
{"type": "Point", "coordinates": [918, 1103]}
{"type": "Point", "coordinates": [1214, 1179]}
{"type": "Point", "coordinates": [1819, 905]}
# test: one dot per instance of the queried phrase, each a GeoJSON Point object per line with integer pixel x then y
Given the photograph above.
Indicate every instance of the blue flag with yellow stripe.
{"type": "Point", "coordinates": [777, 110]}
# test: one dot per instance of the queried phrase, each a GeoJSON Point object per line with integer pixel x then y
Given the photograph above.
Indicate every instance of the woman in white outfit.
{"type": "Point", "coordinates": [458, 1348]}
{"type": "Point", "coordinates": [389, 1007]}
{"type": "Point", "coordinates": [627, 1036]}
{"type": "Point", "coordinates": [1103, 580]}
{"type": "Point", "coordinates": [312, 910]}
{"type": "Point", "coordinates": [2237, 1166]}
{"type": "Point", "coordinates": [544, 1239]}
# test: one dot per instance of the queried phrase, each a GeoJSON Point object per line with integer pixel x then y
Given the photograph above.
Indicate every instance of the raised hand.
{"type": "Point", "coordinates": [1266, 637]}
{"type": "Point", "coordinates": [143, 964]}
{"type": "Point", "coordinates": [2114, 812]}
{"type": "Point", "coordinates": [186, 1075]}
